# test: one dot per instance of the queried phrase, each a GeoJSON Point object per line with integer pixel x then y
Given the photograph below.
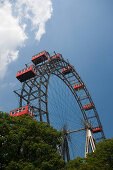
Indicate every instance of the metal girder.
{"type": "Point", "coordinates": [68, 132]}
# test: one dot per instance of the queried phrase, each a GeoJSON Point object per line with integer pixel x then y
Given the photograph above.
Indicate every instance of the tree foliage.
{"type": "Point", "coordinates": [74, 164]}
{"type": "Point", "coordinates": [102, 158]}
{"type": "Point", "coordinates": [28, 144]}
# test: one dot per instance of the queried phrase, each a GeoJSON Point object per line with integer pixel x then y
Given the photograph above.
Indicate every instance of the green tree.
{"type": "Point", "coordinates": [75, 163]}
{"type": "Point", "coordinates": [102, 158]}
{"type": "Point", "coordinates": [28, 144]}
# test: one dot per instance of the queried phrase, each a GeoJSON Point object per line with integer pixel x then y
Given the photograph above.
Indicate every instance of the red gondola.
{"type": "Point", "coordinates": [38, 58]}
{"type": "Point", "coordinates": [25, 110]}
{"type": "Point", "coordinates": [67, 70]}
{"type": "Point", "coordinates": [78, 86]}
{"type": "Point", "coordinates": [26, 73]}
{"type": "Point", "coordinates": [88, 106]}
{"type": "Point", "coordinates": [56, 56]}
{"type": "Point", "coordinates": [96, 129]}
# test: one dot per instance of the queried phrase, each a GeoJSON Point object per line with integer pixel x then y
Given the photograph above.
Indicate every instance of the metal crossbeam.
{"type": "Point", "coordinates": [68, 132]}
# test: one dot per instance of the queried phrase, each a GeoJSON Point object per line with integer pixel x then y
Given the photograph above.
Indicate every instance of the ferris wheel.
{"type": "Point", "coordinates": [55, 92]}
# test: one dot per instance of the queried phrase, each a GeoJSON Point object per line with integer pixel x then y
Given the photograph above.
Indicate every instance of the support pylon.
{"type": "Point", "coordinates": [90, 142]}
{"type": "Point", "coordinates": [65, 148]}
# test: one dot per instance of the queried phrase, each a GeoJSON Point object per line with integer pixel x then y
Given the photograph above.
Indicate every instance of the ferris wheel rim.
{"type": "Point", "coordinates": [37, 88]}
{"type": "Point", "coordinates": [61, 63]}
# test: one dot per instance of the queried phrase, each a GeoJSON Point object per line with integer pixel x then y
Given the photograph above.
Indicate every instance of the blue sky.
{"type": "Point", "coordinates": [81, 30]}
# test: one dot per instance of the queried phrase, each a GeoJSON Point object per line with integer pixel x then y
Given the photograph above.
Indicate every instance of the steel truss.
{"type": "Point", "coordinates": [37, 89]}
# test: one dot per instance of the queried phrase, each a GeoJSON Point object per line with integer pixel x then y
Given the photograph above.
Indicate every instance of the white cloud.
{"type": "Point", "coordinates": [11, 36]}
{"type": "Point", "coordinates": [12, 28]}
{"type": "Point", "coordinates": [37, 11]}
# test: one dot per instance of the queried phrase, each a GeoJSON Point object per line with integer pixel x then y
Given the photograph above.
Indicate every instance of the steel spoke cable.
{"type": "Point", "coordinates": [78, 143]}
{"type": "Point", "coordinates": [68, 118]}
{"type": "Point", "coordinates": [52, 94]}
{"type": "Point", "coordinates": [68, 107]}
